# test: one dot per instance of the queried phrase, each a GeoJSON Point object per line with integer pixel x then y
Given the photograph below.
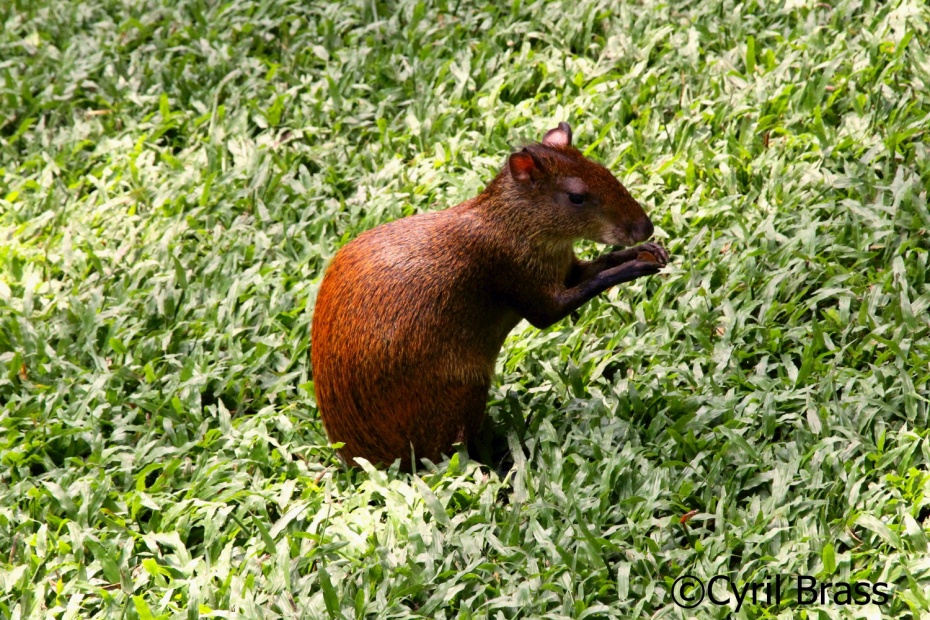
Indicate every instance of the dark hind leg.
{"type": "Point", "coordinates": [491, 446]}
{"type": "Point", "coordinates": [389, 421]}
{"type": "Point", "coordinates": [454, 417]}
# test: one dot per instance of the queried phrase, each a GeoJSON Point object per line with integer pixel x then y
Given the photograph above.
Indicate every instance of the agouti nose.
{"type": "Point", "coordinates": [642, 230]}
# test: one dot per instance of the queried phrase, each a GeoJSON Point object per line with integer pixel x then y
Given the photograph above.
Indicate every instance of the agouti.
{"type": "Point", "coordinates": [412, 314]}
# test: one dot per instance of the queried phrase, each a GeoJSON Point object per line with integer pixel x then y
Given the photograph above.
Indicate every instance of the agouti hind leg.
{"type": "Point", "coordinates": [454, 417]}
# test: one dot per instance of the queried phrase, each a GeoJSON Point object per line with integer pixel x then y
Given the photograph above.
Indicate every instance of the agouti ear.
{"type": "Point", "coordinates": [524, 167]}
{"type": "Point", "coordinates": [560, 137]}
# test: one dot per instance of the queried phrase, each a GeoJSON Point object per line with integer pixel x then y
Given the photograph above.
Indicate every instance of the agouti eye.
{"type": "Point", "coordinates": [576, 199]}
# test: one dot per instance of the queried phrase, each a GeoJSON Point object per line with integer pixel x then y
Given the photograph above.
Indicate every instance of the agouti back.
{"type": "Point", "coordinates": [411, 315]}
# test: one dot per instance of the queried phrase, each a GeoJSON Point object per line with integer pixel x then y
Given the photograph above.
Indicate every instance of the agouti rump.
{"type": "Point", "coordinates": [411, 315]}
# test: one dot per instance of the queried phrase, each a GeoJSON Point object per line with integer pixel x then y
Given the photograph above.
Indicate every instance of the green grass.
{"type": "Point", "coordinates": [174, 177]}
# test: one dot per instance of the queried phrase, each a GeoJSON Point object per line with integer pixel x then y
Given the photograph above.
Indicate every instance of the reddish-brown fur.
{"type": "Point", "coordinates": [411, 315]}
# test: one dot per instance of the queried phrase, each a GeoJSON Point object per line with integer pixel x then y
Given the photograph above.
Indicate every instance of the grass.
{"type": "Point", "coordinates": [175, 175]}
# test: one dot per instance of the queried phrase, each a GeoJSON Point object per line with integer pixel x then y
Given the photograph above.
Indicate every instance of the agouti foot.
{"type": "Point", "coordinates": [652, 253]}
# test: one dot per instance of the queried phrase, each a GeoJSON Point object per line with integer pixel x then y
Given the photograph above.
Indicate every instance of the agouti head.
{"type": "Point", "coordinates": [582, 198]}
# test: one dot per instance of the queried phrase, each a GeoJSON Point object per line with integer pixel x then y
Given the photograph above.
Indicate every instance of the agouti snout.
{"type": "Point", "coordinates": [411, 315]}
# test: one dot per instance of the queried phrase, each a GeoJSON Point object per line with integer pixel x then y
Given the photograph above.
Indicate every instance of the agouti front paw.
{"type": "Point", "coordinates": [652, 253]}
{"type": "Point", "coordinates": [646, 267]}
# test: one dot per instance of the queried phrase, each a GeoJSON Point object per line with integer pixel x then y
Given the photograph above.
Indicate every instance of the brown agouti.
{"type": "Point", "coordinates": [411, 315]}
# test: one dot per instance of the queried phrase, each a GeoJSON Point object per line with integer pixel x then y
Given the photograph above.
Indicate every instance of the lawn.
{"type": "Point", "coordinates": [174, 177]}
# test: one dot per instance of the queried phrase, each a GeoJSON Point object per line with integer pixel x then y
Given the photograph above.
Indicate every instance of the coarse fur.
{"type": "Point", "coordinates": [411, 315]}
